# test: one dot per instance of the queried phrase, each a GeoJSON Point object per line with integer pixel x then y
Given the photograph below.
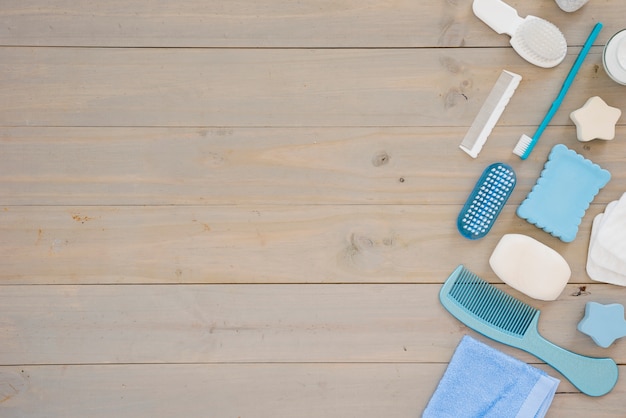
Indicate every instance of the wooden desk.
{"type": "Point", "coordinates": [247, 208]}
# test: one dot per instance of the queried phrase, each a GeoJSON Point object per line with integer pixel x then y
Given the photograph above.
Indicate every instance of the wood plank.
{"type": "Point", "coordinates": [249, 23]}
{"type": "Point", "coordinates": [260, 323]}
{"type": "Point", "coordinates": [254, 244]}
{"type": "Point", "coordinates": [281, 87]}
{"type": "Point", "coordinates": [259, 390]}
{"type": "Point", "coordinates": [247, 208]}
{"type": "Point", "coordinates": [209, 166]}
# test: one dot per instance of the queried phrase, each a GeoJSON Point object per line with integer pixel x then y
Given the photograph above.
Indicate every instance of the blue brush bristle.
{"type": "Point", "coordinates": [491, 305]}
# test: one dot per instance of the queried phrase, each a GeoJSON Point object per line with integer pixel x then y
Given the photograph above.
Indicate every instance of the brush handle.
{"type": "Point", "coordinates": [498, 15]}
{"type": "Point", "coordinates": [567, 83]}
{"type": "Point", "coordinates": [564, 88]}
{"type": "Point", "coordinates": [592, 376]}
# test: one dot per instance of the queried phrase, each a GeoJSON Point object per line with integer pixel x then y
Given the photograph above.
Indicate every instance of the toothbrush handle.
{"type": "Point", "coordinates": [592, 376]}
{"type": "Point", "coordinates": [546, 119]}
{"type": "Point", "coordinates": [542, 127]}
{"type": "Point", "coordinates": [579, 61]}
{"type": "Point", "coordinates": [566, 85]}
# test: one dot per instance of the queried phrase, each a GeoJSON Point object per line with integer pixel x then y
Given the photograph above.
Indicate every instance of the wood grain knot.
{"type": "Point", "coordinates": [381, 158]}
{"type": "Point", "coordinates": [453, 98]}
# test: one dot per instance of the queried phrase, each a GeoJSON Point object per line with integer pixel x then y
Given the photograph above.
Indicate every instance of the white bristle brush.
{"type": "Point", "coordinates": [536, 40]}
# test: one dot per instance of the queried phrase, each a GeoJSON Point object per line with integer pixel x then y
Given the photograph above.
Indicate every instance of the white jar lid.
{"type": "Point", "coordinates": [614, 57]}
{"type": "Point", "coordinates": [621, 53]}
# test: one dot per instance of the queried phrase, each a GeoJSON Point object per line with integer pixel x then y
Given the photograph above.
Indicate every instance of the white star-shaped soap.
{"type": "Point", "coordinates": [595, 120]}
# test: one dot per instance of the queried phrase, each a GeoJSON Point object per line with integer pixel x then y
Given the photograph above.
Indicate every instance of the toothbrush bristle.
{"type": "Point", "coordinates": [522, 145]}
{"type": "Point", "coordinates": [543, 44]}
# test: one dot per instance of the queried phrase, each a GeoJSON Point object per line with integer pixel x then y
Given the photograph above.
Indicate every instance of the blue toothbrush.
{"type": "Point", "coordinates": [500, 316]}
{"type": "Point", "coordinates": [526, 144]}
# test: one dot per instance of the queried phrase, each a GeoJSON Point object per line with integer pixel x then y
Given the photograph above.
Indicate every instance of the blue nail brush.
{"type": "Point", "coordinates": [486, 201]}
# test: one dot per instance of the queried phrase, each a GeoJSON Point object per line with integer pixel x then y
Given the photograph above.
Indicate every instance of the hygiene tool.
{"type": "Point", "coordinates": [486, 200]}
{"type": "Point", "coordinates": [503, 318]}
{"type": "Point", "coordinates": [490, 112]}
{"type": "Point", "coordinates": [535, 39]}
{"type": "Point", "coordinates": [526, 144]}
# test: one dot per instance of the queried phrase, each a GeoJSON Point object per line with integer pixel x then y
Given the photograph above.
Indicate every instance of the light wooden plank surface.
{"type": "Point", "coordinates": [259, 390]}
{"type": "Point", "coordinates": [281, 23]}
{"type": "Point", "coordinates": [246, 209]}
{"type": "Point", "coordinates": [281, 87]}
{"type": "Point", "coordinates": [259, 166]}
{"type": "Point", "coordinates": [350, 323]}
{"type": "Point", "coordinates": [254, 244]}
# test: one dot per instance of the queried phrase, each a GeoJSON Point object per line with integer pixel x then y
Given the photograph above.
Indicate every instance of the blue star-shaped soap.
{"type": "Point", "coordinates": [603, 323]}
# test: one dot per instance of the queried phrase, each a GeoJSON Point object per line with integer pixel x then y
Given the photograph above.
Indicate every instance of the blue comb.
{"type": "Point", "coordinates": [487, 199]}
{"type": "Point", "coordinates": [501, 317]}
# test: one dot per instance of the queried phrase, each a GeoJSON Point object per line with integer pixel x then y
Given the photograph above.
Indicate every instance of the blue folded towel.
{"type": "Point", "coordinates": [481, 381]}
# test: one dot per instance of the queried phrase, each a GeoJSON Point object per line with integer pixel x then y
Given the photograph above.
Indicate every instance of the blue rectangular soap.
{"type": "Point", "coordinates": [567, 185]}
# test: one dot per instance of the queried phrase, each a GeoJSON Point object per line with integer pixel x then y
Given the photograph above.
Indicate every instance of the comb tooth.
{"type": "Point", "coordinates": [498, 308]}
{"type": "Point", "coordinates": [515, 324]}
{"type": "Point", "coordinates": [490, 304]}
{"type": "Point", "coordinates": [486, 304]}
{"type": "Point", "coordinates": [522, 317]}
{"type": "Point", "coordinates": [503, 312]}
{"type": "Point", "coordinates": [509, 319]}
{"type": "Point", "coordinates": [472, 292]}
{"type": "Point", "coordinates": [460, 290]}
{"type": "Point", "coordinates": [530, 312]}
{"type": "Point", "coordinates": [477, 294]}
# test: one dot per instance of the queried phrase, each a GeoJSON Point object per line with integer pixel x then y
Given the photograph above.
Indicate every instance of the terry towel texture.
{"type": "Point", "coordinates": [481, 381]}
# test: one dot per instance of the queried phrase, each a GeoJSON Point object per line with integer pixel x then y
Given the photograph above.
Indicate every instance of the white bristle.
{"type": "Point", "coordinates": [522, 145]}
{"type": "Point", "coordinates": [540, 42]}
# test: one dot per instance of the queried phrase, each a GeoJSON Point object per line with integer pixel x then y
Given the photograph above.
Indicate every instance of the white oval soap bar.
{"type": "Point", "coordinates": [529, 266]}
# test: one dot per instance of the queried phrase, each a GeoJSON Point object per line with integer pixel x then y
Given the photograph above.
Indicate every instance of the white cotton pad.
{"type": "Point", "coordinates": [597, 257]}
{"type": "Point", "coordinates": [612, 236]}
{"type": "Point", "coordinates": [606, 261]}
{"type": "Point", "coordinates": [529, 266]}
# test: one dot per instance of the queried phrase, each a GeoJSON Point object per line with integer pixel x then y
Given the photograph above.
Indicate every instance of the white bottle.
{"type": "Point", "coordinates": [614, 57]}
